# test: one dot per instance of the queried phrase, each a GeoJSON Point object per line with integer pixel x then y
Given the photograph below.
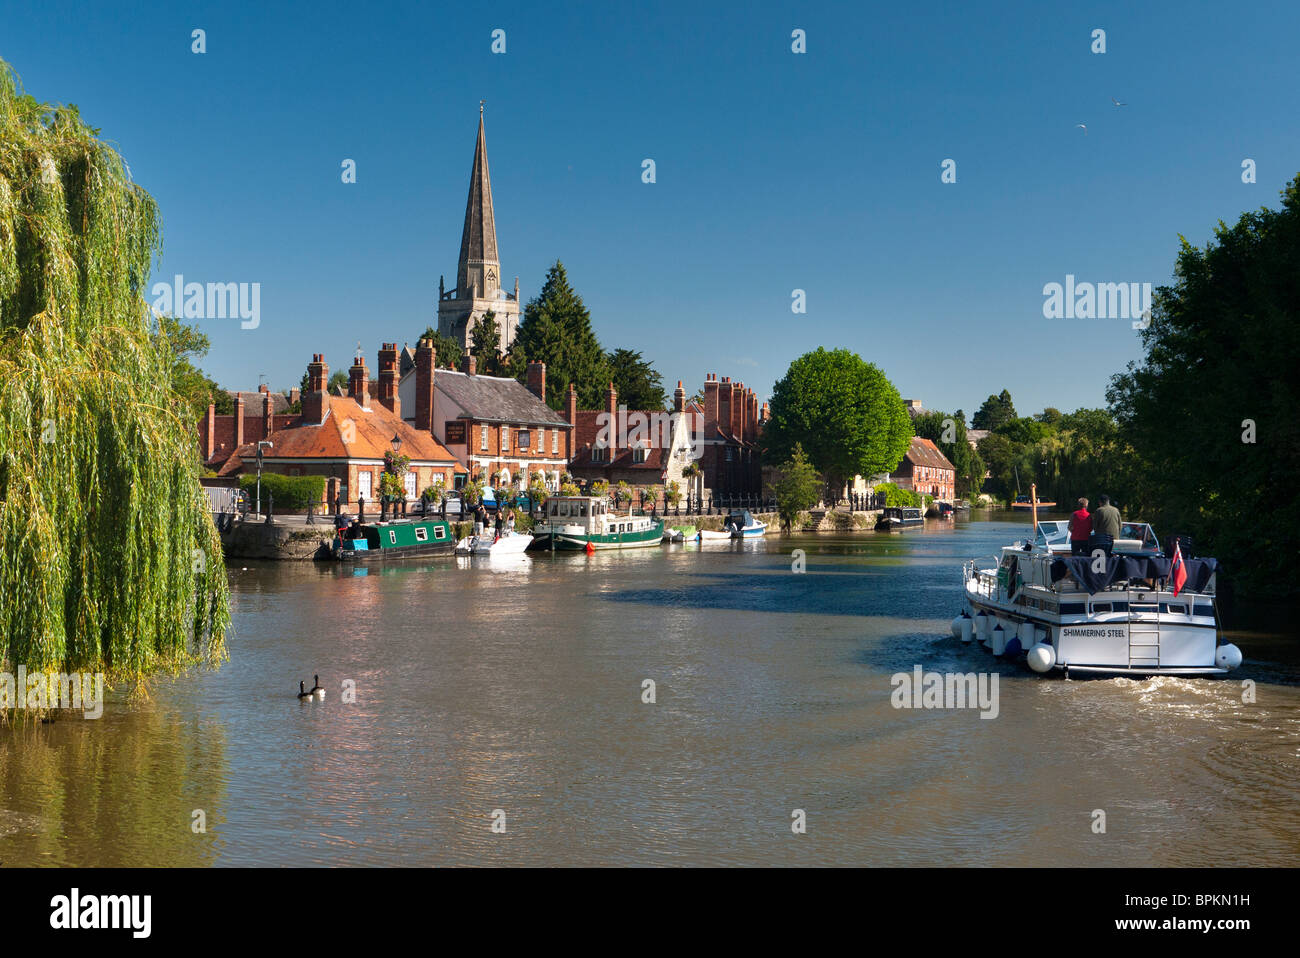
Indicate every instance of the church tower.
{"type": "Point", "coordinates": [478, 274]}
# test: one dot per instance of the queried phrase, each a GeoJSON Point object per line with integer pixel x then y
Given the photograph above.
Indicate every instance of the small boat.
{"type": "Point", "coordinates": [744, 526]}
{"type": "Point", "coordinates": [510, 543]}
{"type": "Point", "coordinates": [400, 538]}
{"type": "Point", "coordinates": [1024, 502]}
{"type": "Point", "coordinates": [709, 535]}
{"type": "Point", "coordinates": [1116, 615]}
{"type": "Point", "coordinates": [945, 510]}
{"type": "Point", "coordinates": [572, 523]}
{"type": "Point", "coordinates": [895, 517]}
{"type": "Point", "coordinates": [679, 533]}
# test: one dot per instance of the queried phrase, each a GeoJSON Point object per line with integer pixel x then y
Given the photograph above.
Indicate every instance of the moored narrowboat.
{"type": "Point", "coordinates": [378, 541]}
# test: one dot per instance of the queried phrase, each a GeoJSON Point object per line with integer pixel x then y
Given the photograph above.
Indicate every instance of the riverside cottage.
{"type": "Point", "coordinates": [343, 438]}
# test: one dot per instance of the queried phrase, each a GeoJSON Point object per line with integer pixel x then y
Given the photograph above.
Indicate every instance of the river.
{"type": "Point", "coordinates": [517, 690]}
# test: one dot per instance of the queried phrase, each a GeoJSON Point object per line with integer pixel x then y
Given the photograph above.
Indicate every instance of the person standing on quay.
{"type": "Point", "coordinates": [1080, 529]}
{"type": "Point", "coordinates": [1105, 526]}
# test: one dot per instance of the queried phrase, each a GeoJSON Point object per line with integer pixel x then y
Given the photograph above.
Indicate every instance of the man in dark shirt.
{"type": "Point", "coordinates": [1080, 529]}
{"type": "Point", "coordinates": [1105, 526]}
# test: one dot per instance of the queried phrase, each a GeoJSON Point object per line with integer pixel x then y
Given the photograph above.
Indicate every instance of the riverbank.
{"type": "Point", "coordinates": [291, 538]}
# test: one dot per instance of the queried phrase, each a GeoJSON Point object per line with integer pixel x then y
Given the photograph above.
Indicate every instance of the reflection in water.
{"type": "Point", "coordinates": [117, 791]}
{"type": "Point", "coordinates": [481, 686]}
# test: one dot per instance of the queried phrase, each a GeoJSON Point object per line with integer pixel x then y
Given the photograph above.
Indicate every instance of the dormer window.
{"type": "Point", "coordinates": [640, 453]}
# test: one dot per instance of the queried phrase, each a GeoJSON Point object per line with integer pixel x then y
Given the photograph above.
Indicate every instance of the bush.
{"type": "Point", "coordinates": [899, 497]}
{"type": "Point", "coordinates": [287, 492]}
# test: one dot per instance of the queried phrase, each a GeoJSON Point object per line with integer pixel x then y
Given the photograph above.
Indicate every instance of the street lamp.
{"type": "Point", "coordinates": [397, 443]}
{"type": "Point", "coordinates": [269, 445]}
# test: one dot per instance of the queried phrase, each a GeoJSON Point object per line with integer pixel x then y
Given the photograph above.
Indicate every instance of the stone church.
{"type": "Point", "coordinates": [478, 274]}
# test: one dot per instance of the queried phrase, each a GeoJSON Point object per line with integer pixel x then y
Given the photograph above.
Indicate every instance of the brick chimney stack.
{"type": "Point", "coordinates": [571, 417]}
{"type": "Point", "coordinates": [679, 398]}
{"type": "Point", "coordinates": [738, 410]}
{"type": "Point", "coordinates": [239, 419]}
{"type": "Point", "coordinates": [710, 400]}
{"type": "Point", "coordinates": [724, 404]}
{"type": "Point", "coordinates": [388, 397]}
{"type": "Point", "coordinates": [468, 364]}
{"type": "Point", "coordinates": [571, 405]}
{"type": "Point", "coordinates": [359, 382]}
{"type": "Point", "coordinates": [611, 408]}
{"type": "Point", "coordinates": [209, 432]}
{"type": "Point", "coordinates": [268, 412]}
{"type": "Point", "coordinates": [315, 401]}
{"type": "Point", "coordinates": [537, 379]}
{"type": "Point", "coordinates": [425, 359]}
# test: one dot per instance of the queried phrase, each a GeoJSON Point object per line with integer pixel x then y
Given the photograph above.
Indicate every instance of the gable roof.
{"type": "Point", "coordinates": [253, 400]}
{"type": "Point", "coordinates": [923, 452]}
{"type": "Point", "coordinates": [370, 438]}
{"type": "Point", "coordinates": [495, 399]}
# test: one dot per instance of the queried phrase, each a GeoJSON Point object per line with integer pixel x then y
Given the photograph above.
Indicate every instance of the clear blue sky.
{"type": "Point", "coordinates": [775, 171]}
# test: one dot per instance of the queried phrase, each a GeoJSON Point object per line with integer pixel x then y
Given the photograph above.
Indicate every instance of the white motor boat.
{"type": "Point", "coordinates": [1136, 612]}
{"type": "Point", "coordinates": [708, 535]}
{"type": "Point", "coordinates": [510, 543]}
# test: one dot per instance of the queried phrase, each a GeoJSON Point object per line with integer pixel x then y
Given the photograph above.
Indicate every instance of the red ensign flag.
{"type": "Point", "coordinates": [1177, 571]}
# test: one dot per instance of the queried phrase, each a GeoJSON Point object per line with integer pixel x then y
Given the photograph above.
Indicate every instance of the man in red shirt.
{"type": "Point", "coordinates": [1080, 529]}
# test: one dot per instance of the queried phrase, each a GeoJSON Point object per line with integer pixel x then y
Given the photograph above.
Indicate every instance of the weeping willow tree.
{"type": "Point", "coordinates": [109, 560]}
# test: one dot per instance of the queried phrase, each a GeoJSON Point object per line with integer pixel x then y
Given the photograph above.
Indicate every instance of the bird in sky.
{"type": "Point", "coordinates": [1082, 127]}
{"type": "Point", "coordinates": [1116, 102]}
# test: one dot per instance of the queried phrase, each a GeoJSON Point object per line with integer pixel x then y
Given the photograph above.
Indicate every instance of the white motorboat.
{"type": "Point", "coordinates": [743, 525]}
{"type": "Point", "coordinates": [708, 535]}
{"type": "Point", "coordinates": [1122, 614]}
{"type": "Point", "coordinates": [510, 543]}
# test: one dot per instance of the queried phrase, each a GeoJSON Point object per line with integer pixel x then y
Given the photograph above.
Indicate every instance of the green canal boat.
{"type": "Point", "coordinates": [378, 541]}
{"type": "Point", "coordinates": [576, 522]}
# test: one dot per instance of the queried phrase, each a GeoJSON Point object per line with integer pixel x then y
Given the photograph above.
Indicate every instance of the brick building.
{"type": "Point", "coordinates": [256, 416]}
{"type": "Point", "coordinates": [343, 438]}
{"type": "Point", "coordinates": [493, 426]}
{"type": "Point", "coordinates": [926, 470]}
{"type": "Point", "coordinates": [732, 423]}
{"type": "Point", "coordinates": [642, 447]}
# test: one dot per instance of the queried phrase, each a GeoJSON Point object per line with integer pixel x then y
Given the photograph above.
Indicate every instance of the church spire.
{"type": "Point", "coordinates": [478, 275]}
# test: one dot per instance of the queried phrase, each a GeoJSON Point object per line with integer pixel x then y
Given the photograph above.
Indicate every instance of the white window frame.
{"type": "Point", "coordinates": [483, 438]}
{"type": "Point", "coordinates": [365, 481]}
{"type": "Point", "coordinates": [505, 438]}
{"type": "Point", "coordinates": [408, 483]}
{"type": "Point", "coordinates": [555, 442]}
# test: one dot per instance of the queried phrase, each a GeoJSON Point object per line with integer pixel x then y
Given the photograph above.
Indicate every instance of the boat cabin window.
{"type": "Point", "coordinates": [582, 509]}
{"type": "Point", "coordinates": [392, 537]}
{"type": "Point", "coordinates": [421, 534]}
{"type": "Point", "coordinates": [1177, 609]}
{"type": "Point", "coordinates": [439, 532]}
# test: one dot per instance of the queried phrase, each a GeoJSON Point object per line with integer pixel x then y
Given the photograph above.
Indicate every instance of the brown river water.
{"type": "Point", "coordinates": [519, 688]}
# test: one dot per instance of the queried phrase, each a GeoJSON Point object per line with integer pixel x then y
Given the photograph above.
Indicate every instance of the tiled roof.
{"type": "Point", "coordinates": [253, 401]}
{"type": "Point", "coordinates": [924, 452]}
{"type": "Point", "coordinates": [370, 438]}
{"type": "Point", "coordinates": [494, 399]}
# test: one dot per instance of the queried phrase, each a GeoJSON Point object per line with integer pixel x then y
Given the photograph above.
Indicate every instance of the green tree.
{"type": "Point", "coordinates": [111, 561]}
{"type": "Point", "coordinates": [1208, 417]}
{"type": "Point", "coordinates": [557, 330]}
{"type": "Point", "coordinates": [485, 344]}
{"type": "Point", "coordinates": [949, 434]}
{"type": "Point", "coordinates": [194, 390]}
{"type": "Point", "coordinates": [638, 383]}
{"type": "Point", "coordinates": [797, 487]}
{"type": "Point", "coordinates": [447, 350]}
{"type": "Point", "coordinates": [995, 411]}
{"type": "Point", "coordinates": [848, 417]}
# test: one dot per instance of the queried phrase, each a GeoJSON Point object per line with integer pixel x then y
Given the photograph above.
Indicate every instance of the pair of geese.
{"type": "Point", "coordinates": [306, 695]}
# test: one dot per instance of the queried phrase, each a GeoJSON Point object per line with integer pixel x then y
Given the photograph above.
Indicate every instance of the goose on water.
{"type": "Point", "coordinates": [303, 694]}
{"type": "Point", "coordinates": [316, 689]}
